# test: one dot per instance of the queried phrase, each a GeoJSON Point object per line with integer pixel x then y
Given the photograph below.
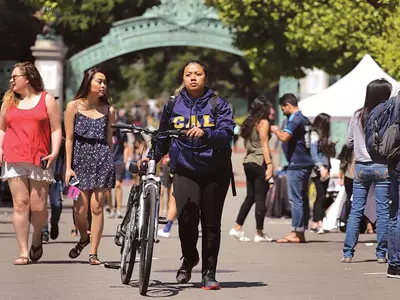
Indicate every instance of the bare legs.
{"type": "Point", "coordinates": [29, 201]}
{"type": "Point", "coordinates": [81, 207]}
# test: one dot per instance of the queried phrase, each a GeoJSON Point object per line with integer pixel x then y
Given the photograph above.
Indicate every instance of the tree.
{"type": "Point", "coordinates": [84, 22]}
{"type": "Point", "coordinates": [18, 29]}
{"type": "Point", "coordinates": [281, 37]}
{"type": "Point", "coordinates": [156, 73]}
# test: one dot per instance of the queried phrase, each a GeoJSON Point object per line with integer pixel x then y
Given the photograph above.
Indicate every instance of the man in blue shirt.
{"type": "Point", "coordinates": [296, 146]}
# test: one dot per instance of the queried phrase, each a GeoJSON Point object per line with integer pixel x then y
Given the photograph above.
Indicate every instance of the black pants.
{"type": "Point", "coordinates": [348, 185]}
{"type": "Point", "coordinates": [257, 189]}
{"type": "Point", "coordinates": [201, 196]}
{"type": "Point", "coordinates": [321, 203]}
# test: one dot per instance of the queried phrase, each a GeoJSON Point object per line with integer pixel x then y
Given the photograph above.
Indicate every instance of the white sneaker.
{"type": "Point", "coordinates": [262, 239]}
{"type": "Point", "coordinates": [112, 214]}
{"type": "Point", "coordinates": [320, 231]}
{"type": "Point", "coordinates": [238, 235]}
{"type": "Point", "coordinates": [163, 234]}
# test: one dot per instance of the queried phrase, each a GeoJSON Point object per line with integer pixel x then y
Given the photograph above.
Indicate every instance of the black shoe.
{"type": "Point", "coordinates": [45, 237]}
{"type": "Point", "coordinates": [185, 271]}
{"type": "Point", "coordinates": [209, 282]}
{"type": "Point", "coordinates": [393, 272]}
{"type": "Point", "coordinates": [54, 231]}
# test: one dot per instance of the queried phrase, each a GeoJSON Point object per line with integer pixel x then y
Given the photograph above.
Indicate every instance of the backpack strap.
{"type": "Point", "coordinates": [170, 106]}
{"type": "Point", "coordinates": [397, 109]}
{"type": "Point", "coordinates": [214, 106]}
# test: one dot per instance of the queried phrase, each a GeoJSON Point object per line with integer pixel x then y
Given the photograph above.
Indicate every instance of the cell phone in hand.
{"type": "Point", "coordinates": [73, 181]}
{"type": "Point", "coordinates": [43, 163]}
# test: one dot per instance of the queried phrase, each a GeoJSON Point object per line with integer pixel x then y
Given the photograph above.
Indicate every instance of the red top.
{"type": "Point", "coordinates": [27, 136]}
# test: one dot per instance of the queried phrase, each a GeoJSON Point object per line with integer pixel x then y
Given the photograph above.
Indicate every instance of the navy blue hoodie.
{"type": "Point", "coordinates": [191, 155]}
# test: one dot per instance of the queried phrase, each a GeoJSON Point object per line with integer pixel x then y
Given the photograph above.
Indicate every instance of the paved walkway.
{"type": "Point", "coordinates": [245, 270]}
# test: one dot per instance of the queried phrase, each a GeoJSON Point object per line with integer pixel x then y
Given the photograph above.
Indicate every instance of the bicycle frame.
{"type": "Point", "coordinates": [150, 179]}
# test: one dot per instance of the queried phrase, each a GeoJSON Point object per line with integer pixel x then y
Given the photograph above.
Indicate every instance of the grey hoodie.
{"type": "Point", "coordinates": [356, 139]}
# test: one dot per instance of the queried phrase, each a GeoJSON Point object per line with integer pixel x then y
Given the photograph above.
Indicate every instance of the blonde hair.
{"type": "Point", "coordinates": [29, 70]}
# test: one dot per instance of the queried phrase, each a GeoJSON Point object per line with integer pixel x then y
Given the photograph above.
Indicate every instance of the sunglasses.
{"type": "Point", "coordinates": [14, 77]}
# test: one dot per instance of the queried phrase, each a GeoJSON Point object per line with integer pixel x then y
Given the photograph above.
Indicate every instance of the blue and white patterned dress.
{"type": "Point", "coordinates": [92, 158]}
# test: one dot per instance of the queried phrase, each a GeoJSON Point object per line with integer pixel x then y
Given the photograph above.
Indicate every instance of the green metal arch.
{"type": "Point", "coordinates": [173, 23]}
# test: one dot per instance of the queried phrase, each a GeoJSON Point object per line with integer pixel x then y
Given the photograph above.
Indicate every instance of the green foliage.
{"type": "Point", "coordinates": [83, 23]}
{"type": "Point", "coordinates": [18, 30]}
{"type": "Point", "coordinates": [156, 73]}
{"type": "Point", "coordinates": [280, 37]}
{"type": "Point", "coordinates": [77, 14]}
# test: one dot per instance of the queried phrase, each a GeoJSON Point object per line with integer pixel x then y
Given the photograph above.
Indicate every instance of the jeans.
{"type": "Point", "coordinates": [367, 174]}
{"type": "Point", "coordinates": [257, 189]}
{"type": "Point", "coordinates": [394, 221]}
{"type": "Point", "coordinates": [55, 192]}
{"type": "Point", "coordinates": [298, 183]}
{"type": "Point", "coordinates": [201, 198]}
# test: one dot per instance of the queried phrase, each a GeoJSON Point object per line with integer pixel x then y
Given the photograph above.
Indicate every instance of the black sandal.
{"type": "Point", "coordinates": [36, 252]}
{"type": "Point", "coordinates": [94, 260]}
{"type": "Point", "coordinates": [76, 251]}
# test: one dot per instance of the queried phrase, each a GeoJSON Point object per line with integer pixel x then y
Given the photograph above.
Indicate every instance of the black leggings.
{"type": "Point", "coordinates": [257, 189]}
{"type": "Point", "coordinates": [321, 203]}
{"type": "Point", "coordinates": [201, 197]}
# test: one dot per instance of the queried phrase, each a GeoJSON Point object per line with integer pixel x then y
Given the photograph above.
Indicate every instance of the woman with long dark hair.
{"type": "Point", "coordinates": [257, 167]}
{"type": "Point", "coordinates": [322, 150]}
{"type": "Point", "coordinates": [88, 119]}
{"type": "Point", "coordinates": [367, 173]}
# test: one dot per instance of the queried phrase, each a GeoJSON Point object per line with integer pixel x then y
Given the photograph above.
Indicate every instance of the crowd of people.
{"type": "Point", "coordinates": [44, 155]}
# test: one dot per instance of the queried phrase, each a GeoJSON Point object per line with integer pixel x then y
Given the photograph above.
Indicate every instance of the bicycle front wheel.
{"type": "Point", "coordinates": [128, 253]}
{"type": "Point", "coordinates": [147, 240]}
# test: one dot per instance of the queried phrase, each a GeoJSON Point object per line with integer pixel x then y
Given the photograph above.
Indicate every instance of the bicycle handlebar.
{"type": "Point", "coordinates": [154, 133]}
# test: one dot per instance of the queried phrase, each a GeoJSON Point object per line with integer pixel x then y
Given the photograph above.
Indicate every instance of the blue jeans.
{"type": "Point", "coordinates": [298, 183]}
{"type": "Point", "coordinates": [55, 192]}
{"type": "Point", "coordinates": [394, 221]}
{"type": "Point", "coordinates": [367, 174]}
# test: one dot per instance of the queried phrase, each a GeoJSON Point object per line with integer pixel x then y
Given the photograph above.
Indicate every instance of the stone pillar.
{"type": "Point", "coordinates": [49, 57]}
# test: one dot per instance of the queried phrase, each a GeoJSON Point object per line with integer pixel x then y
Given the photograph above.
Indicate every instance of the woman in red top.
{"type": "Point", "coordinates": [29, 119]}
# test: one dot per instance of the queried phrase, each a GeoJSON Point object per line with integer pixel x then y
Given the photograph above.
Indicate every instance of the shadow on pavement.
{"type": "Point", "coordinates": [363, 261]}
{"type": "Point", "coordinates": [170, 289]}
{"type": "Point", "coordinates": [61, 262]}
{"type": "Point", "coordinates": [62, 242]}
{"type": "Point", "coordinates": [194, 271]}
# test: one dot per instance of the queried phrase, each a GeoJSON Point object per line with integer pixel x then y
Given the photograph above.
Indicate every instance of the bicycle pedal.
{"type": "Point", "coordinates": [118, 239]}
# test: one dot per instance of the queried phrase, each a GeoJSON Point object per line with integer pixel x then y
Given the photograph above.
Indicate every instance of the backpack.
{"type": "Point", "coordinates": [214, 110]}
{"type": "Point", "coordinates": [382, 134]}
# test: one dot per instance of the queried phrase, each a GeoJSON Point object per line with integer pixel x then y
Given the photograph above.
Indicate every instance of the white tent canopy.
{"type": "Point", "coordinates": [347, 95]}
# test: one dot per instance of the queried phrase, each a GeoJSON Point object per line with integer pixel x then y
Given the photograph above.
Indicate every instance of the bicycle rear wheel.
{"type": "Point", "coordinates": [147, 240]}
{"type": "Point", "coordinates": [128, 250]}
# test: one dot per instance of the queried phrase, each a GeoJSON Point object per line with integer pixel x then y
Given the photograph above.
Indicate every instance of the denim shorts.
{"type": "Point", "coordinates": [12, 170]}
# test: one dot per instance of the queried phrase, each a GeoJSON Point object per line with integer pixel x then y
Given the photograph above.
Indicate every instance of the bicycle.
{"type": "Point", "coordinates": [138, 230]}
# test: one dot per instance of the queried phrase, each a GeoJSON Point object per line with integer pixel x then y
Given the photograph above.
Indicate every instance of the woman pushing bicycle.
{"type": "Point", "coordinates": [201, 166]}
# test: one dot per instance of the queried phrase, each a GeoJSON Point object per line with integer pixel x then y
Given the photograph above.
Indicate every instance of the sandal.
{"type": "Point", "coordinates": [21, 261]}
{"type": "Point", "coordinates": [76, 251]}
{"type": "Point", "coordinates": [36, 252]}
{"type": "Point", "coordinates": [94, 260]}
